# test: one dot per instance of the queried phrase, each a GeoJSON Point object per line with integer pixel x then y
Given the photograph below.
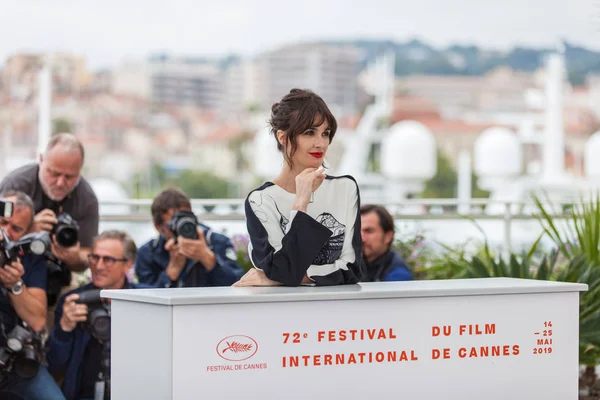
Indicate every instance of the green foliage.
{"type": "Point", "coordinates": [444, 183]}
{"type": "Point", "coordinates": [254, 107]}
{"type": "Point", "coordinates": [580, 234]}
{"type": "Point", "coordinates": [240, 243]}
{"type": "Point", "coordinates": [196, 184]}
{"type": "Point", "coordinates": [476, 192]}
{"type": "Point", "coordinates": [574, 260]}
{"type": "Point", "coordinates": [200, 185]}
{"type": "Point", "coordinates": [374, 160]}
{"type": "Point", "coordinates": [61, 125]}
{"type": "Point", "coordinates": [578, 239]}
{"type": "Point", "coordinates": [582, 271]}
{"type": "Point", "coordinates": [414, 251]}
{"type": "Point", "coordinates": [575, 270]}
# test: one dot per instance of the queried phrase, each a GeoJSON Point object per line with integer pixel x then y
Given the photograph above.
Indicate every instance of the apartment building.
{"type": "Point", "coordinates": [20, 74]}
{"type": "Point", "coordinates": [331, 71]}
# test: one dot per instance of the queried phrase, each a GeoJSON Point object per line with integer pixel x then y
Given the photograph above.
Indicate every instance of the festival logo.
{"type": "Point", "coordinates": [237, 348]}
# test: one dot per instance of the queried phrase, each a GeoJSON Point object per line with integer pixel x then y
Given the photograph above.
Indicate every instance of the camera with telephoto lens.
{"type": "Point", "coordinates": [184, 223]}
{"type": "Point", "coordinates": [98, 314]}
{"type": "Point", "coordinates": [37, 243]}
{"type": "Point", "coordinates": [66, 230]}
{"type": "Point", "coordinates": [23, 352]}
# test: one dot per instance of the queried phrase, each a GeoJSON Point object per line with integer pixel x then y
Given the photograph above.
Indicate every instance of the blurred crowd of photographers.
{"type": "Point", "coordinates": [54, 336]}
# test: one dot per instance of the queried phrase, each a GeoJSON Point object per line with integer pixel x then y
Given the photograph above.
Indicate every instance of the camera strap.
{"type": "Point", "coordinates": [3, 328]}
{"type": "Point", "coordinates": [99, 390]}
{"type": "Point", "coordinates": [208, 238]}
{"type": "Point", "coordinates": [102, 386]}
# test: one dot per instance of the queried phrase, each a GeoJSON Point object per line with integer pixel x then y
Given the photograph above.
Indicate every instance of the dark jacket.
{"type": "Point", "coordinates": [66, 350]}
{"type": "Point", "coordinates": [388, 267]}
{"type": "Point", "coordinates": [152, 260]}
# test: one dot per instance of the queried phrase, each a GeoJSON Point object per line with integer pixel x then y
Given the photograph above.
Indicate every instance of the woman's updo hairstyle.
{"type": "Point", "coordinates": [297, 112]}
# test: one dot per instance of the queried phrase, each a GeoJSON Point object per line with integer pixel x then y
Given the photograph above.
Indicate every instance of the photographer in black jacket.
{"type": "Point", "coordinates": [186, 253]}
{"type": "Point", "coordinates": [23, 304]}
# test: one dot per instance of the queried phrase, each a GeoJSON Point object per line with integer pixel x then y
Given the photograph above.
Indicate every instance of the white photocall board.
{"type": "Point", "coordinates": [458, 339]}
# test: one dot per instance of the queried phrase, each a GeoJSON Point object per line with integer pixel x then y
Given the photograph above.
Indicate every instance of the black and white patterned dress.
{"type": "Point", "coordinates": [323, 243]}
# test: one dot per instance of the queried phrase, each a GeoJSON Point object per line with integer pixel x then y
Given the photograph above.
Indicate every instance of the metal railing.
{"type": "Point", "coordinates": [221, 210]}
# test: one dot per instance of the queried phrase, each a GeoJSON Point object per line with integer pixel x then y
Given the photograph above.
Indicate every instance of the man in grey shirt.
{"type": "Point", "coordinates": [56, 186]}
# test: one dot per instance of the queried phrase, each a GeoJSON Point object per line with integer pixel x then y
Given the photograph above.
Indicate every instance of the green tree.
{"type": "Point", "coordinates": [444, 183]}
{"type": "Point", "coordinates": [147, 183]}
{"type": "Point", "coordinates": [197, 184]}
{"type": "Point", "coordinates": [254, 107]}
{"type": "Point", "coordinates": [61, 125]}
{"type": "Point", "coordinates": [476, 192]}
{"type": "Point", "coordinates": [200, 184]}
{"type": "Point", "coordinates": [374, 161]}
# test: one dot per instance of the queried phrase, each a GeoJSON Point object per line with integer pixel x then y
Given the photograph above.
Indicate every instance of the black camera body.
{"type": "Point", "coordinates": [66, 233]}
{"type": "Point", "coordinates": [6, 208]}
{"type": "Point", "coordinates": [66, 230]}
{"type": "Point", "coordinates": [9, 252]}
{"type": "Point", "coordinates": [184, 224]}
{"type": "Point", "coordinates": [23, 352]}
{"type": "Point", "coordinates": [98, 314]}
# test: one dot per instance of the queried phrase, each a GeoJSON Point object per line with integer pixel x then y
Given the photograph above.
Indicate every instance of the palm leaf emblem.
{"type": "Point", "coordinates": [237, 347]}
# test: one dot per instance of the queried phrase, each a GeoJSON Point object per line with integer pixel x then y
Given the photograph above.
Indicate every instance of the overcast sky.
{"type": "Point", "coordinates": [108, 30]}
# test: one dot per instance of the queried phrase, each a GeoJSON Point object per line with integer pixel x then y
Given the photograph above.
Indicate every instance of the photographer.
{"type": "Point", "coordinates": [59, 192]}
{"type": "Point", "coordinates": [78, 347]}
{"type": "Point", "coordinates": [23, 298]}
{"type": "Point", "coordinates": [186, 253]}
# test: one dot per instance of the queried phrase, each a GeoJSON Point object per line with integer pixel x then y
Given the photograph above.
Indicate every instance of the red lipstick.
{"type": "Point", "coordinates": [317, 154]}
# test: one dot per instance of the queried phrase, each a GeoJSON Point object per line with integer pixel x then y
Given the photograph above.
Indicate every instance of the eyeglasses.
{"type": "Point", "coordinates": [107, 260]}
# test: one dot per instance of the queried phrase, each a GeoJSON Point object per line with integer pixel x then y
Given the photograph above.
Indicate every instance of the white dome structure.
{"type": "Point", "coordinates": [592, 157]}
{"type": "Point", "coordinates": [408, 152]}
{"type": "Point", "coordinates": [497, 155]}
{"type": "Point", "coordinates": [267, 159]}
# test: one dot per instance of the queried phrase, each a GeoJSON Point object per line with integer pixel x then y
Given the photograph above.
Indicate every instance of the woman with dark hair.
{"type": "Point", "coordinates": [304, 226]}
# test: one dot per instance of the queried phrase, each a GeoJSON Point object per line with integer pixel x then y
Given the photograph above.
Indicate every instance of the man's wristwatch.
{"type": "Point", "coordinates": [17, 288]}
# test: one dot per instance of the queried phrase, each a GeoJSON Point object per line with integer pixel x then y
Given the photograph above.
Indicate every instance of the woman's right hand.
{"type": "Point", "coordinates": [307, 182]}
